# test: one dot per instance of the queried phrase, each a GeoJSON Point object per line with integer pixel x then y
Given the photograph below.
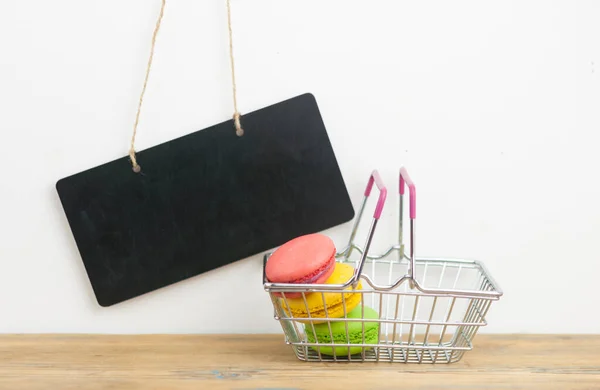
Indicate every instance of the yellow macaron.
{"type": "Point", "coordinates": [333, 304]}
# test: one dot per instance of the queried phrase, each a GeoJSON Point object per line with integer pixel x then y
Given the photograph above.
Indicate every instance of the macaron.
{"type": "Point", "coordinates": [306, 259]}
{"type": "Point", "coordinates": [338, 332]}
{"type": "Point", "coordinates": [321, 306]}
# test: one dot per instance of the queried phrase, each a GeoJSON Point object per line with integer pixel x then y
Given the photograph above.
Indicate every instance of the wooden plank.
{"type": "Point", "coordinates": [265, 362]}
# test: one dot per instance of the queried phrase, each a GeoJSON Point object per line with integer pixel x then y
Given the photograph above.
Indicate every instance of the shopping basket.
{"type": "Point", "coordinates": [430, 309]}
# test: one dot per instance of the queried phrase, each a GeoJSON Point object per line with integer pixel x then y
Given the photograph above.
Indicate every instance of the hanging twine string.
{"type": "Point", "coordinates": [136, 167]}
{"type": "Point", "coordinates": [236, 114]}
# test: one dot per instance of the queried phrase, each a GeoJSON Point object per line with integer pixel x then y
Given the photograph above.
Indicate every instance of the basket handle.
{"type": "Point", "coordinates": [406, 181]}
{"type": "Point", "coordinates": [405, 178]}
{"type": "Point", "coordinates": [376, 178]}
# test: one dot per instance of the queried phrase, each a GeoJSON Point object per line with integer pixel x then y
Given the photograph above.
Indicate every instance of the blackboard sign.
{"type": "Point", "coordinates": [205, 200]}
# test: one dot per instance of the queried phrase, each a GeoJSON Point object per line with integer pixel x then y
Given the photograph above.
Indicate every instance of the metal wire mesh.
{"type": "Point", "coordinates": [413, 327]}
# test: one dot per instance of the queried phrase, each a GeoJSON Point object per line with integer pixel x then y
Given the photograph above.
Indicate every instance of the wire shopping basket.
{"type": "Point", "coordinates": [428, 309]}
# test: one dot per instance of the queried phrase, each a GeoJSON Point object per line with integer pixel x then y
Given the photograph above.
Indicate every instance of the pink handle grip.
{"type": "Point", "coordinates": [405, 178]}
{"type": "Point", "coordinates": [375, 178]}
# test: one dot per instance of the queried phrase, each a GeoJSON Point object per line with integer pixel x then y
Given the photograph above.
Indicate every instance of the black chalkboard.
{"type": "Point", "coordinates": [205, 200]}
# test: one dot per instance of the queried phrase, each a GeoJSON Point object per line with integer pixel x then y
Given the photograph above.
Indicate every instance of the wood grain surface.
{"type": "Point", "coordinates": [259, 362]}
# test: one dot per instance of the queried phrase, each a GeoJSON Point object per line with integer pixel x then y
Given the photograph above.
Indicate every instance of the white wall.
{"type": "Point", "coordinates": [493, 106]}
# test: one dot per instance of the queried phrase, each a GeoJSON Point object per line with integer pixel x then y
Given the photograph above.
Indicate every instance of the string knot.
{"type": "Point", "coordinates": [136, 168]}
{"type": "Point", "coordinates": [238, 126]}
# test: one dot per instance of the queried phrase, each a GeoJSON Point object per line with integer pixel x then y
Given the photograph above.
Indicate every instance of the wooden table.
{"type": "Point", "coordinates": [265, 362]}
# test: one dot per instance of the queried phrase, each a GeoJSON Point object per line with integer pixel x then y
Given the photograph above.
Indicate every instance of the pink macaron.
{"type": "Point", "coordinates": [306, 259]}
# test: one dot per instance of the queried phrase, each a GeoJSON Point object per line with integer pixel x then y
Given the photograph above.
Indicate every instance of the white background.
{"type": "Point", "coordinates": [493, 106]}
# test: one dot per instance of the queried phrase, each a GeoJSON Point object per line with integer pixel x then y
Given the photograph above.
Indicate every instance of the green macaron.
{"type": "Point", "coordinates": [338, 331]}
